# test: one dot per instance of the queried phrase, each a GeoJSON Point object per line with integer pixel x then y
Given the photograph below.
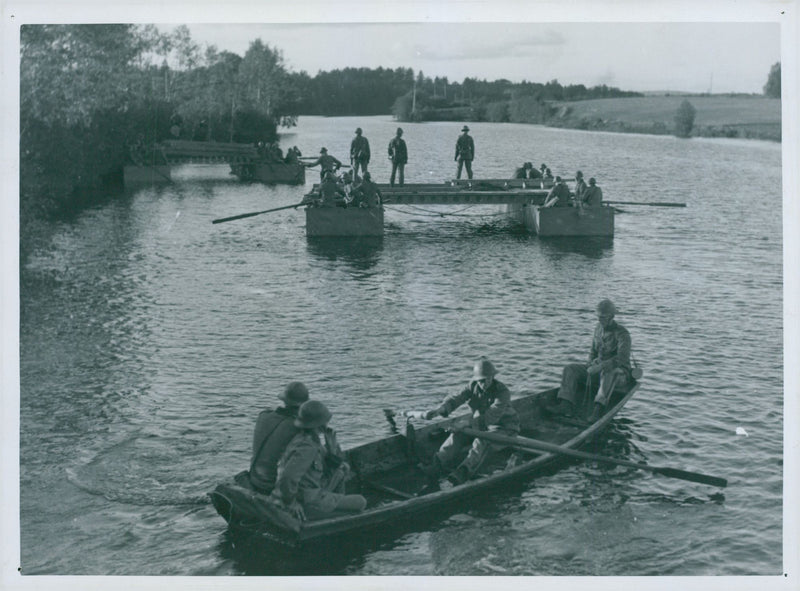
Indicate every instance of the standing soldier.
{"type": "Point", "coordinates": [580, 187]}
{"type": "Point", "coordinates": [359, 153]}
{"type": "Point", "coordinates": [465, 152]}
{"type": "Point", "coordinates": [398, 154]}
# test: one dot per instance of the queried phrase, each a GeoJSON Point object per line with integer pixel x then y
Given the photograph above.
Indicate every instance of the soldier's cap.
{"type": "Point", "coordinates": [465, 128]}
{"type": "Point", "coordinates": [323, 150]}
{"type": "Point", "coordinates": [592, 181]}
{"type": "Point", "coordinates": [399, 131]}
{"type": "Point", "coordinates": [358, 130]}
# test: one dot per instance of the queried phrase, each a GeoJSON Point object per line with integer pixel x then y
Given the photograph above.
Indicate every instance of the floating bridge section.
{"type": "Point", "coordinates": [189, 152]}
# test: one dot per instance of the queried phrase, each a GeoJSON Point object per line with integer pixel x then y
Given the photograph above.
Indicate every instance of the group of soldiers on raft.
{"type": "Point", "coordinates": [298, 464]}
{"type": "Point", "coordinates": [361, 191]}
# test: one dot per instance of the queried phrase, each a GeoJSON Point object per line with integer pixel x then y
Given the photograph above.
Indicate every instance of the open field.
{"type": "Point", "coordinates": [717, 116]}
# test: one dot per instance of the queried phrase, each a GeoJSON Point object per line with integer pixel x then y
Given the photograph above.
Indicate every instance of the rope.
{"type": "Point", "coordinates": [436, 214]}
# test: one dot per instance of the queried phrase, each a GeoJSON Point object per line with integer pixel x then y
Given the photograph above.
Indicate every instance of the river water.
{"type": "Point", "coordinates": [150, 339]}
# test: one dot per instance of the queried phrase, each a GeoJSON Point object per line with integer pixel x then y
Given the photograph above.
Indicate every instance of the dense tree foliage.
{"type": "Point", "coordinates": [772, 88]}
{"type": "Point", "coordinates": [89, 92]}
{"type": "Point", "coordinates": [684, 119]}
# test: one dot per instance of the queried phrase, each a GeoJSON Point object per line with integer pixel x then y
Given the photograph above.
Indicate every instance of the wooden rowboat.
{"type": "Point", "coordinates": [387, 473]}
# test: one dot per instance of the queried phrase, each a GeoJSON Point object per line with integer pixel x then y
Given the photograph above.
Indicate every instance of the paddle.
{"type": "Point", "coordinates": [249, 215]}
{"type": "Point", "coordinates": [652, 204]}
{"type": "Point", "coordinates": [525, 443]}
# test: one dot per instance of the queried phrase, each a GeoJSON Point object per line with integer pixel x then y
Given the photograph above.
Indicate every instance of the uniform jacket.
{"type": "Point", "coordinates": [611, 347]}
{"type": "Point", "coordinates": [398, 151]}
{"type": "Point", "coordinates": [593, 196]}
{"type": "Point", "coordinates": [273, 432]}
{"type": "Point", "coordinates": [489, 409]}
{"type": "Point", "coordinates": [327, 162]}
{"type": "Point", "coordinates": [359, 149]}
{"type": "Point", "coordinates": [465, 147]}
{"type": "Point", "coordinates": [561, 191]}
{"type": "Point", "coordinates": [300, 469]}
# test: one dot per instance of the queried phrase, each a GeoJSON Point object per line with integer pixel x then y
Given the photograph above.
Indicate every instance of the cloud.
{"type": "Point", "coordinates": [493, 43]}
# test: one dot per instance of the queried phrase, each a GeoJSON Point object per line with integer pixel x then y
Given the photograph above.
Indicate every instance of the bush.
{"type": "Point", "coordinates": [684, 119]}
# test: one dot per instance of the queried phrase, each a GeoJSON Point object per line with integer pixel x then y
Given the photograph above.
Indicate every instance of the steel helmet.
{"type": "Point", "coordinates": [358, 130]}
{"type": "Point", "coordinates": [399, 131]}
{"type": "Point", "coordinates": [294, 394]}
{"type": "Point", "coordinates": [579, 175]}
{"type": "Point", "coordinates": [323, 150]}
{"type": "Point", "coordinates": [483, 369]}
{"type": "Point", "coordinates": [312, 414]}
{"type": "Point", "coordinates": [606, 308]}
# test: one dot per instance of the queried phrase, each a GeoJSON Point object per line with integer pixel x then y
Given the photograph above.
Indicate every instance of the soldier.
{"type": "Point", "coordinates": [465, 152]}
{"type": "Point", "coordinates": [398, 154]}
{"type": "Point", "coordinates": [273, 432]}
{"type": "Point", "coordinates": [490, 401]}
{"type": "Point", "coordinates": [609, 362]}
{"type": "Point", "coordinates": [312, 471]}
{"type": "Point", "coordinates": [359, 153]}
{"type": "Point", "coordinates": [593, 196]}
{"type": "Point", "coordinates": [326, 162]}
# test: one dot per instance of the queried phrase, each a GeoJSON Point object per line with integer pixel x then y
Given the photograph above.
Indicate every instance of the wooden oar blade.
{"type": "Point", "coordinates": [691, 476]}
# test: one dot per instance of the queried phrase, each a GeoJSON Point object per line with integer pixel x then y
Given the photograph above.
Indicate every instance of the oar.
{"type": "Point", "coordinates": [249, 215]}
{"type": "Point", "coordinates": [652, 204]}
{"type": "Point", "coordinates": [526, 443]}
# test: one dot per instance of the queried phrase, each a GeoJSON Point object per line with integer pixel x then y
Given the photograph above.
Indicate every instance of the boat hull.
{"type": "Point", "coordinates": [391, 463]}
{"type": "Point", "coordinates": [344, 221]}
{"type": "Point", "coordinates": [565, 221]}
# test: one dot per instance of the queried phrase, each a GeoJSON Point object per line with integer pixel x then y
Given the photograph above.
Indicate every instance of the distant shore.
{"type": "Point", "coordinates": [729, 116]}
{"type": "Point", "coordinates": [750, 117]}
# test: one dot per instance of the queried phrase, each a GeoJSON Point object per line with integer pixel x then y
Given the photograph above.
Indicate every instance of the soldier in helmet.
{"type": "Point", "coordinates": [609, 367]}
{"type": "Point", "coordinates": [398, 154]}
{"type": "Point", "coordinates": [274, 430]}
{"type": "Point", "coordinates": [490, 401]}
{"type": "Point", "coordinates": [465, 152]}
{"type": "Point", "coordinates": [359, 153]}
{"type": "Point", "coordinates": [312, 470]}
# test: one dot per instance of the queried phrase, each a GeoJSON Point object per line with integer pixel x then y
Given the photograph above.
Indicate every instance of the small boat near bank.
{"type": "Point", "coordinates": [386, 472]}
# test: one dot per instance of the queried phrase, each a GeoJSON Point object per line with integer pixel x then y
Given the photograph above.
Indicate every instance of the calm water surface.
{"type": "Point", "coordinates": [150, 339]}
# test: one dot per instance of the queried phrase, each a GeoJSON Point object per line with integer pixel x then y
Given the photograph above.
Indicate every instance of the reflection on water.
{"type": "Point", "coordinates": [360, 252]}
{"type": "Point", "coordinates": [593, 247]}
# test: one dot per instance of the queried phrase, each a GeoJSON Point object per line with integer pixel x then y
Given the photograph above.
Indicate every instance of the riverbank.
{"type": "Point", "coordinates": [730, 116]}
{"type": "Point", "coordinates": [751, 117]}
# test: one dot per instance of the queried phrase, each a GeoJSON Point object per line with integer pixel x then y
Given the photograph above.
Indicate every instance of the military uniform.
{"type": "Point", "coordinates": [611, 348]}
{"type": "Point", "coordinates": [491, 411]}
{"type": "Point", "coordinates": [273, 432]}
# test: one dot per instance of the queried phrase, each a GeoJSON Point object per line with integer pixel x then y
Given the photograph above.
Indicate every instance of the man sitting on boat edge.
{"type": "Point", "coordinates": [490, 401]}
{"type": "Point", "coordinates": [609, 360]}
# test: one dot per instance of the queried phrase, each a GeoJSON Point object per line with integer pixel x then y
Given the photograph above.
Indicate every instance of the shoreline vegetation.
{"type": "Point", "coordinates": [91, 96]}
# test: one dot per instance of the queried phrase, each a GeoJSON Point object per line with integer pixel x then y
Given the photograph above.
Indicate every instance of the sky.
{"type": "Point", "coordinates": [692, 57]}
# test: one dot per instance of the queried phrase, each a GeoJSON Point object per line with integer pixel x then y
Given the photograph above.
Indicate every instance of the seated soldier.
{"type": "Point", "coordinates": [490, 401]}
{"type": "Point", "coordinates": [558, 195]}
{"type": "Point", "coordinates": [312, 471]}
{"type": "Point", "coordinates": [609, 367]}
{"type": "Point", "coordinates": [273, 432]}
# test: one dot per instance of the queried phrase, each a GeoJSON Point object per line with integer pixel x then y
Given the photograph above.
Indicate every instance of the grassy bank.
{"type": "Point", "coordinates": [717, 115]}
